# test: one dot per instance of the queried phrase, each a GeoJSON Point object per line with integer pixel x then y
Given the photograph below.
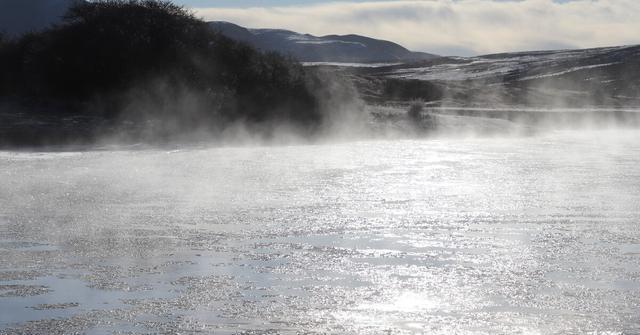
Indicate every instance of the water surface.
{"type": "Point", "coordinates": [478, 236]}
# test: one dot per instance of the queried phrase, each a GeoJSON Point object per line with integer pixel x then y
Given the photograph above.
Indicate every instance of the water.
{"type": "Point", "coordinates": [532, 235]}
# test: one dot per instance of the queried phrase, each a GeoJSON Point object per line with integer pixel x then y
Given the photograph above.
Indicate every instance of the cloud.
{"type": "Point", "coordinates": [457, 27]}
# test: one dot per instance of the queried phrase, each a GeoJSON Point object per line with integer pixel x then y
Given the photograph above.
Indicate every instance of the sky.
{"type": "Point", "coordinates": [445, 27]}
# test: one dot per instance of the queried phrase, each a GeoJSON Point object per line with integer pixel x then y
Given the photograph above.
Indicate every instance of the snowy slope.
{"type": "Point", "coordinates": [600, 76]}
{"type": "Point", "coordinates": [519, 66]}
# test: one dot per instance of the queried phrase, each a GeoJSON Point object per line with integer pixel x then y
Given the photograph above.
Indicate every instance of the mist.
{"type": "Point", "coordinates": [159, 176]}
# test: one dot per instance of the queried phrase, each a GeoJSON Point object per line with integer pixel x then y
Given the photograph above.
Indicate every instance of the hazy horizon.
{"type": "Point", "coordinates": [445, 27]}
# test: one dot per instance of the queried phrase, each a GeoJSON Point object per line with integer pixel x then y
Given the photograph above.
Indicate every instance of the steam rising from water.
{"type": "Point", "coordinates": [159, 113]}
{"type": "Point", "coordinates": [456, 233]}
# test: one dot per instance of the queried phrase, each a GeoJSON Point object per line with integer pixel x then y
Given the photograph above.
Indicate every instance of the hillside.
{"type": "Point", "coordinates": [331, 48]}
{"type": "Point", "coordinates": [566, 78]}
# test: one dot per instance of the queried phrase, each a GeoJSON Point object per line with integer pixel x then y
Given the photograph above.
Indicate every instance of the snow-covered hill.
{"type": "Point", "coordinates": [518, 66]}
{"type": "Point", "coordinates": [331, 48]}
{"type": "Point", "coordinates": [600, 76]}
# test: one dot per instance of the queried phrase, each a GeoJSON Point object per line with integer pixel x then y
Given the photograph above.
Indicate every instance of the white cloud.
{"type": "Point", "coordinates": [459, 27]}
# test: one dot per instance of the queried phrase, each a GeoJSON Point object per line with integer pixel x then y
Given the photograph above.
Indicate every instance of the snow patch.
{"type": "Point", "coordinates": [573, 69]}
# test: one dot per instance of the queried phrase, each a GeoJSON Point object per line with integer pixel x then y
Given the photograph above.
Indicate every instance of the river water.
{"type": "Point", "coordinates": [531, 235]}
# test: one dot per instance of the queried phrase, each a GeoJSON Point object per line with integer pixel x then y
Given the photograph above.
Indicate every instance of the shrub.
{"type": "Point", "coordinates": [415, 109]}
{"type": "Point", "coordinates": [403, 89]}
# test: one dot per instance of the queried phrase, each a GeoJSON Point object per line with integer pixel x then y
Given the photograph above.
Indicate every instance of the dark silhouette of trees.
{"type": "Point", "coordinates": [108, 56]}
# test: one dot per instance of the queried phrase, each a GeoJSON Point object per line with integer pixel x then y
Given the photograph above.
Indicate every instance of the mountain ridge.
{"type": "Point", "coordinates": [350, 48]}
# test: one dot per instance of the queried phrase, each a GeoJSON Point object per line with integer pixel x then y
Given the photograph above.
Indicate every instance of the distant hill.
{"type": "Point", "coordinates": [21, 16]}
{"type": "Point", "coordinates": [330, 48]}
{"type": "Point", "coordinates": [599, 76]}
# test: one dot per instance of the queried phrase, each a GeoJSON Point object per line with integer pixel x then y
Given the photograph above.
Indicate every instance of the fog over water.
{"type": "Point", "coordinates": [535, 234]}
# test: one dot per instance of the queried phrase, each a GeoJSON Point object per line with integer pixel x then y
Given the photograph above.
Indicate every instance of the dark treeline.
{"type": "Point", "coordinates": [128, 62]}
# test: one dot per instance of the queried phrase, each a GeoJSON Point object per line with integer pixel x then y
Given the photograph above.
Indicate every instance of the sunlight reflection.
{"type": "Point", "coordinates": [405, 302]}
